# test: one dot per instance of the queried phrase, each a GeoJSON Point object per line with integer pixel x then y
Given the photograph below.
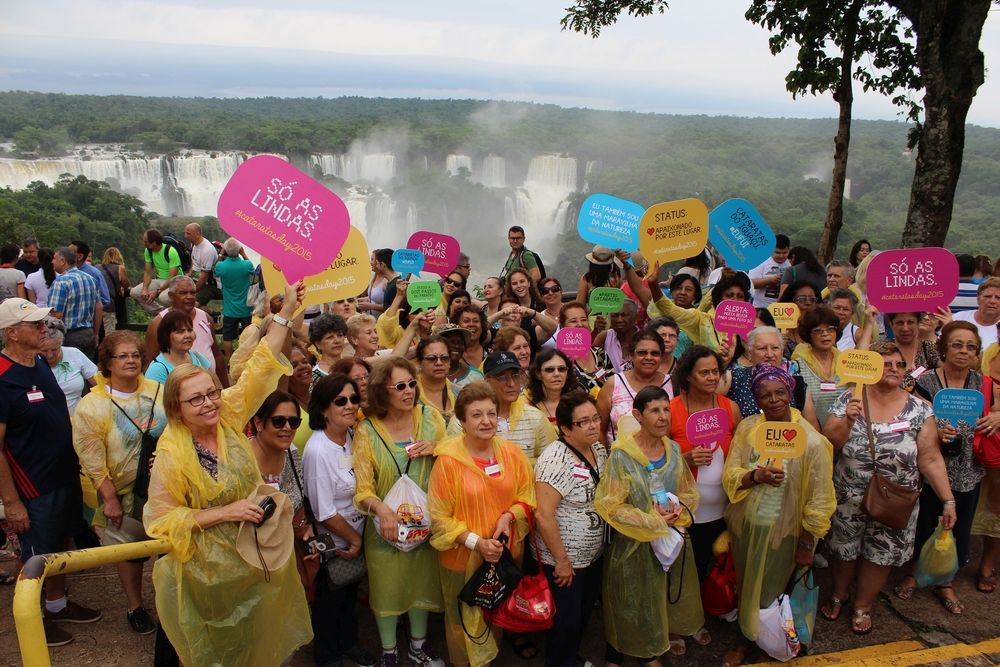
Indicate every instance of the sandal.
{"type": "Point", "coordinates": [703, 637]}
{"type": "Point", "coordinates": [861, 621]}
{"type": "Point", "coordinates": [523, 646]}
{"type": "Point", "coordinates": [905, 592]}
{"type": "Point", "coordinates": [678, 647]}
{"type": "Point", "coordinates": [987, 584]}
{"type": "Point", "coordinates": [953, 605]}
{"type": "Point", "coordinates": [831, 610]}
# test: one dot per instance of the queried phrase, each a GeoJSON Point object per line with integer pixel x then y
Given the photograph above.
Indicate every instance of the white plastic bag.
{"type": "Point", "coordinates": [409, 502]}
{"type": "Point", "coordinates": [776, 631]}
{"type": "Point", "coordinates": [668, 548]}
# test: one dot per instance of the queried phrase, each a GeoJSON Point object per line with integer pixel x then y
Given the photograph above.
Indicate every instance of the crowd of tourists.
{"type": "Point", "coordinates": [312, 465]}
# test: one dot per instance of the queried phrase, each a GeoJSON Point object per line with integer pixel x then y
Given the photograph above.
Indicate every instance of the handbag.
{"type": "Point", "coordinates": [718, 590]}
{"type": "Point", "coordinates": [147, 454]}
{"type": "Point", "coordinates": [885, 501]}
{"type": "Point", "coordinates": [803, 598]}
{"type": "Point", "coordinates": [530, 608]}
{"type": "Point", "coordinates": [308, 569]}
{"type": "Point", "coordinates": [986, 448]}
{"type": "Point", "coordinates": [491, 583]}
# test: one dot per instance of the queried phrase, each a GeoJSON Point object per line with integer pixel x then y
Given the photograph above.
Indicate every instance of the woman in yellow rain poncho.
{"type": "Point", "coordinates": [777, 511]}
{"type": "Point", "coordinates": [637, 620]}
{"type": "Point", "coordinates": [479, 488]}
{"type": "Point", "coordinates": [398, 437]}
{"type": "Point", "coordinates": [216, 609]}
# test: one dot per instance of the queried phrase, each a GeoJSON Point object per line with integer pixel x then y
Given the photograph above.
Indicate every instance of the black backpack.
{"type": "Point", "coordinates": [182, 249]}
{"type": "Point", "coordinates": [538, 261]}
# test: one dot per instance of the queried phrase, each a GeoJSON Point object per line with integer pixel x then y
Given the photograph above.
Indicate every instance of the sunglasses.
{"type": "Point", "coordinates": [555, 289]}
{"type": "Point", "coordinates": [403, 386]}
{"type": "Point", "coordinates": [437, 359]}
{"type": "Point", "coordinates": [454, 283]}
{"type": "Point", "coordinates": [549, 370]}
{"type": "Point", "coordinates": [341, 401]}
{"type": "Point", "coordinates": [279, 421]}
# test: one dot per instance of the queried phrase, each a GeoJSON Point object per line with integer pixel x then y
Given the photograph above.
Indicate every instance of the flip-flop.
{"type": "Point", "coordinates": [678, 647]}
{"type": "Point", "coordinates": [987, 584]}
{"type": "Point", "coordinates": [835, 606]}
{"type": "Point", "coordinates": [905, 592]}
{"type": "Point", "coordinates": [861, 616]}
{"type": "Point", "coordinates": [953, 606]}
{"type": "Point", "coordinates": [703, 637]}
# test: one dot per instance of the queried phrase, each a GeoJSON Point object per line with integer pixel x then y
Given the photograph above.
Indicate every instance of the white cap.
{"type": "Point", "coordinates": [14, 311]}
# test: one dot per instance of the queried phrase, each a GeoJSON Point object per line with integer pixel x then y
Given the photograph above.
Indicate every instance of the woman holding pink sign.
{"type": "Point", "coordinates": [591, 370]}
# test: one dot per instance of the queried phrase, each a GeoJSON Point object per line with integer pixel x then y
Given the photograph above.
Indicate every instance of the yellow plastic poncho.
{"type": "Point", "coordinates": [464, 498]}
{"type": "Point", "coordinates": [697, 324]}
{"type": "Point", "coordinates": [108, 444]}
{"type": "Point", "coordinates": [397, 581]}
{"type": "Point", "coordinates": [389, 330]}
{"type": "Point", "coordinates": [637, 621]}
{"type": "Point", "coordinates": [529, 429]}
{"type": "Point", "coordinates": [449, 402]}
{"type": "Point", "coordinates": [765, 521]}
{"type": "Point", "coordinates": [214, 607]}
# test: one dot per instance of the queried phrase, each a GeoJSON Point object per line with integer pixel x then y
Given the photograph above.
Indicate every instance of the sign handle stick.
{"type": "Point", "coordinates": [729, 339]}
{"type": "Point", "coordinates": [857, 389]}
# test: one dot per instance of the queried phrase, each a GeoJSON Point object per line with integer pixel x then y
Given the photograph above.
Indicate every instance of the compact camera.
{"type": "Point", "coordinates": [322, 543]}
{"type": "Point", "coordinates": [267, 505]}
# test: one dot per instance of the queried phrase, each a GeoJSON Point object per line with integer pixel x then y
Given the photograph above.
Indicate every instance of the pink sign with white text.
{"type": "Point", "coordinates": [735, 318]}
{"type": "Point", "coordinates": [440, 251]}
{"type": "Point", "coordinates": [707, 426]}
{"type": "Point", "coordinates": [285, 215]}
{"type": "Point", "coordinates": [912, 280]}
{"type": "Point", "coordinates": [574, 342]}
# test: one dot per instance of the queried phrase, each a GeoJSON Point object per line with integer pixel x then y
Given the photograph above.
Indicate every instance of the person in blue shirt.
{"type": "Point", "coordinates": [235, 275]}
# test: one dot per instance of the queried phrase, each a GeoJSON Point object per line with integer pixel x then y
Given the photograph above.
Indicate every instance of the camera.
{"type": "Point", "coordinates": [321, 543]}
{"type": "Point", "coordinates": [267, 505]}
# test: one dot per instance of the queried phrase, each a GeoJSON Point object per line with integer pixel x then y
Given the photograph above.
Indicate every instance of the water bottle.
{"type": "Point", "coordinates": [656, 488]}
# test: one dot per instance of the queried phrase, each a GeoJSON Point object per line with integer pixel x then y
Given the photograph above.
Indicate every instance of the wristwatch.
{"type": "Point", "coordinates": [278, 319]}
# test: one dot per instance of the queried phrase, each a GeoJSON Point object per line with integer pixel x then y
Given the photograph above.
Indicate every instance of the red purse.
{"type": "Point", "coordinates": [530, 608]}
{"type": "Point", "coordinates": [718, 591]}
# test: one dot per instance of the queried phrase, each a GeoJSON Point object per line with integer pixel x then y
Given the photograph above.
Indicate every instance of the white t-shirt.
{"type": "Point", "coordinates": [203, 256]}
{"type": "Point", "coordinates": [328, 472]}
{"type": "Point", "coordinates": [712, 499]}
{"type": "Point", "coordinates": [764, 297]}
{"type": "Point", "coordinates": [988, 332]}
{"type": "Point", "coordinates": [580, 527]}
{"type": "Point", "coordinates": [36, 283]}
{"type": "Point", "coordinates": [848, 339]}
{"type": "Point", "coordinates": [72, 374]}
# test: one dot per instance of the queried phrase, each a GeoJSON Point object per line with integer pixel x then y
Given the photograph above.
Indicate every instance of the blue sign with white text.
{"type": "Point", "coordinates": [609, 221]}
{"type": "Point", "coordinates": [740, 234]}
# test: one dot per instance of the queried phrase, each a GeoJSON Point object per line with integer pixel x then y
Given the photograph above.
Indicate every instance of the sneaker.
{"type": "Point", "coordinates": [819, 561]}
{"type": "Point", "coordinates": [54, 635]}
{"type": "Point", "coordinates": [139, 620]}
{"type": "Point", "coordinates": [424, 655]}
{"type": "Point", "coordinates": [389, 659]}
{"type": "Point", "coordinates": [74, 613]}
{"type": "Point", "coordinates": [360, 656]}
{"type": "Point", "coordinates": [583, 662]}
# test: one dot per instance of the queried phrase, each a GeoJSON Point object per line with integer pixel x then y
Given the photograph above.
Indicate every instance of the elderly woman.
{"type": "Point", "coordinates": [959, 350]}
{"type": "Point", "coordinates": [327, 333]}
{"type": "Point", "coordinates": [571, 535]}
{"type": "Point", "coordinates": [363, 336]}
{"type": "Point", "coordinates": [844, 303]}
{"type": "Point", "coordinates": [330, 486]}
{"type": "Point", "coordinates": [357, 370]}
{"type": "Point", "coordinates": [917, 342]}
{"type": "Point", "coordinates": [778, 508]}
{"type": "Point", "coordinates": [899, 428]}
{"type": "Point", "coordinates": [638, 620]}
{"type": "Point", "coordinates": [551, 375]}
{"type": "Point", "coordinates": [591, 370]}
{"type": "Point", "coordinates": [616, 340]}
{"type": "Point", "coordinates": [214, 608]}
{"type": "Point", "coordinates": [614, 402]}
{"type": "Point", "coordinates": [433, 386]}
{"type": "Point", "coordinates": [115, 428]}
{"type": "Point", "coordinates": [481, 488]}
{"type": "Point", "coordinates": [398, 436]}
{"type": "Point", "coordinates": [817, 356]}
{"type": "Point", "coordinates": [73, 370]}
{"type": "Point", "coordinates": [175, 337]}
{"type": "Point", "coordinates": [516, 341]}
{"type": "Point", "coordinates": [669, 332]}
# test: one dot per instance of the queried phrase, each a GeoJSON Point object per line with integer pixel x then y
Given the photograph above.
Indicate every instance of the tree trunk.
{"type": "Point", "coordinates": [951, 64]}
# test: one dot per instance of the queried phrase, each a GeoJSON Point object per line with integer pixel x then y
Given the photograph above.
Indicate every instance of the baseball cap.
{"type": "Point", "coordinates": [14, 311]}
{"type": "Point", "coordinates": [498, 362]}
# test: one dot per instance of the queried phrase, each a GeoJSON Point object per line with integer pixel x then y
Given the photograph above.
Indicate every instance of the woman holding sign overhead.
{"type": "Point", "coordinates": [898, 428]}
{"type": "Point", "coordinates": [697, 324]}
{"type": "Point", "coordinates": [779, 507]}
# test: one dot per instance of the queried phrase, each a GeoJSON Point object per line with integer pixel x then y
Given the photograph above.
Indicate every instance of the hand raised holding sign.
{"type": "Point", "coordinates": [860, 367]}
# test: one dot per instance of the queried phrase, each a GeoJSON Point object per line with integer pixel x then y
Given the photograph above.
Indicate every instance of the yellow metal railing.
{"type": "Point", "coordinates": [27, 611]}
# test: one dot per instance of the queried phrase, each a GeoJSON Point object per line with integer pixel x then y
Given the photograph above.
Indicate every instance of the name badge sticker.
{"type": "Point", "coordinates": [35, 396]}
{"type": "Point", "coordinates": [580, 471]}
{"type": "Point", "coordinates": [493, 470]}
{"type": "Point", "coordinates": [917, 372]}
{"type": "Point", "coordinates": [828, 386]}
{"type": "Point", "coordinates": [899, 426]}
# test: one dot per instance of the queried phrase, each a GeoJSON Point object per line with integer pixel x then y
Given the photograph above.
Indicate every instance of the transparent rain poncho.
{"type": "Point", "coordinates": [765, 521]}
{"type": "Point", "coordinates": [636, 614]}
{"type": "Point", "coordinates": [215, 608]}
{"type": "Point", "coordinates": [464, 498]}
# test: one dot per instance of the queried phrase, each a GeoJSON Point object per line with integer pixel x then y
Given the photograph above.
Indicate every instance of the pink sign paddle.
{"type": "Point", "coordinates": [284, 215]}
{"type": "Point", "coordinates": [707, 426]}
{"type": "Point", "coordinates": [912, 280]}
{"type": "Point", "coordinates": [735, 317]}
{"type": "Point", "coordinates": [574, 342]}
{"type": "Point", "coordinates": [440, 251]}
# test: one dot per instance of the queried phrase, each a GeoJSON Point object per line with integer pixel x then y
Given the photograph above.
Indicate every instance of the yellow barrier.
{"type": "Point", "coordinates": [27, 611]}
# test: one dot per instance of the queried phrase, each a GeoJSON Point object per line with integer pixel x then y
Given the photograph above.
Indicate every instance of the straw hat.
{"type": "Point", "coordinates": [600, 255]}
{"type": "Point", "coordinates": [271, 541]}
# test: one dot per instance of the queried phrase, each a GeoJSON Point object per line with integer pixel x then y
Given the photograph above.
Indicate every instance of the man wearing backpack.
{"type": "Point", "coordinates": [522, 258]}
{"type": "Point", "coordinates": [162, 262]}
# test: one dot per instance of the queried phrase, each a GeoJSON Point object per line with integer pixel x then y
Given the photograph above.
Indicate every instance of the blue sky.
{"type": "Point", "coordinates": [700, 57]}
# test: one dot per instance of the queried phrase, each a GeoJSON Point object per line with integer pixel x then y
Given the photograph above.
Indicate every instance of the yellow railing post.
{"type": "Point", "coordinates": [27, 611]}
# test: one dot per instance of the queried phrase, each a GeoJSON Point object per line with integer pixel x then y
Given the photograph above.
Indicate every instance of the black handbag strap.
{"type": "Point", "coordinates": [594, 474]}
{"type": "Point", "coordinates": [310, 517]}
{"type": "Point", "coordinates": [392, 456]}
{"type": "Point", "coordinates": [152, 408]}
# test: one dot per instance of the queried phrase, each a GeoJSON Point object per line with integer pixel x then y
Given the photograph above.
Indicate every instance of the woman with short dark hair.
{"type": "Point", "coordinates": [817, 356]}
{"type": "Point", "coordinates": [175, 337]}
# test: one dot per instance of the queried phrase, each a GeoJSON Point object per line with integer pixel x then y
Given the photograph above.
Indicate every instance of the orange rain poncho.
{"type": "Point", "coordinates": [765, 521]}
{"type": "Point", "coordinates": [215, 608]}
{"type": "Point", "coordinates": [397, 581]}
{"type": "Point", "coordinates": [464, 498]}
{"type": "Point", "coordinates": [637, 620]}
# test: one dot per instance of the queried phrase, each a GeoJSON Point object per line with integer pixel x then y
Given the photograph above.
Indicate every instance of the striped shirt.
{"type": "Point", "coordinates": [966, 297]}
{"type": "Point", "coordinates": [75, 295]}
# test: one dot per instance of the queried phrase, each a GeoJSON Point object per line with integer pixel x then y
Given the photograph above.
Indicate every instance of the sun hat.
{"type": "Point", "coordinates": [14, 311]}
{"type": "Point", "coordinates": [267, 546]}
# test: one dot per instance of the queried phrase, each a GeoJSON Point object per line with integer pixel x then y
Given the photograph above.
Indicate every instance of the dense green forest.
{"type": "Point", "coordinates": [644, 157]}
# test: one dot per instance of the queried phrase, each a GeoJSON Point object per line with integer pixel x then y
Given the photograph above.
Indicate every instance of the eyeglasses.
{"type": "Point", "coordinates": [901, 365]}
{"type": "Point", "coordinates": [824, 330]}
{"type": "Point", "coordinates": [515, 238]}
{"type": "Point", "coordinates": [341, 401]}
{"type": "Point", "coordinates": [40, 324]}
{"type": "Point", "coordinates": [403, 386]}
{"type": "Point", "coordinates": [583, 423]}
{"type": "Point", "coordinates": [126, 356]}
{"type": "Point", "coordinates": [555, 289]}
{"type": "Point", "coordinates": [549, 370]}
{"type": "Point", "coordinates": [279, 421]}
{"type": "Point", "coordinates": [805, 299]}
{"type": "Point", "coordinates": [360, 378]}
{"type": "Point", "coordinates": [196, 401]}
{"type": "Point", "coordinates": [512, 377]}
{"type": "Point", "coordinates": [437, 358]}
{"type": "Point", "coordinates": [958, 345]}
{"type": "Point", "coordinates": [647, 353]}
{"type": "Point", "coordinates": [463, 266]}
{"type": "Point", "coordinates": [454, 283]}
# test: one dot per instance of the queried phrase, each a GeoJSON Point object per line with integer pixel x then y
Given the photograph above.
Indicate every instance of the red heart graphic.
{"type": "Point", "coordinates": [789, 312]}
{"type": "Point", "coordinates": [650, 230]}
{"type": "Point", "coordinates": [789, 434]}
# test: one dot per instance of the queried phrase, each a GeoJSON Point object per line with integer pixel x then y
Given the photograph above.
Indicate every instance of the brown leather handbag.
{"type": "Point", "coordinates": [885, 501]}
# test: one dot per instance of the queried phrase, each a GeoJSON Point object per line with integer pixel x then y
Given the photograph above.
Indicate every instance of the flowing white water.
{"type": "Point", "coordinates": [453, 163]}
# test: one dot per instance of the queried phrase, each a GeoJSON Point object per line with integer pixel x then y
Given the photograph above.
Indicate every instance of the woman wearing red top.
{"type": "Point", "coordinates": [696, 379]}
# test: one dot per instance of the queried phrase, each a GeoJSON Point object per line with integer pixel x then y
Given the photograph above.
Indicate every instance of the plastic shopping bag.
{"type": "Point", "coordinates": [410, 504]}
{"type": "Point", "coordinates": [776, 631]}
{"type": "Point", "coordinates": [938, 560]}
{"type": "Point", "coordinates": [668, 548]}
{"type": "Point", "coordinates": [803, 597]}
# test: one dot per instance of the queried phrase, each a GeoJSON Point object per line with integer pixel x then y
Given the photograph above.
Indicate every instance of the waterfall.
{"type": "Point", "coordinates": [592, 167]}
{"type": "Point", "coordinates": [453, 163]}
{"type": "Point", "coordinates": [494, 172]}
{"type": "Point", "coordinates": [377, 168]}
{"type": "Point", "coordinates": [552, 171]}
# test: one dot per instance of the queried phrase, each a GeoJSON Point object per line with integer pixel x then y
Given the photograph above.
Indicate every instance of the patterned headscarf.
{"type": "Point", "coordinates": [764, 372]}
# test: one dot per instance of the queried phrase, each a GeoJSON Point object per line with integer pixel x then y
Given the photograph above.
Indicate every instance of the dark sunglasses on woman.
{"type": "Point", "coordinates": [341, 401]}
{"type": "Point", "coordinates": [279, 421]}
